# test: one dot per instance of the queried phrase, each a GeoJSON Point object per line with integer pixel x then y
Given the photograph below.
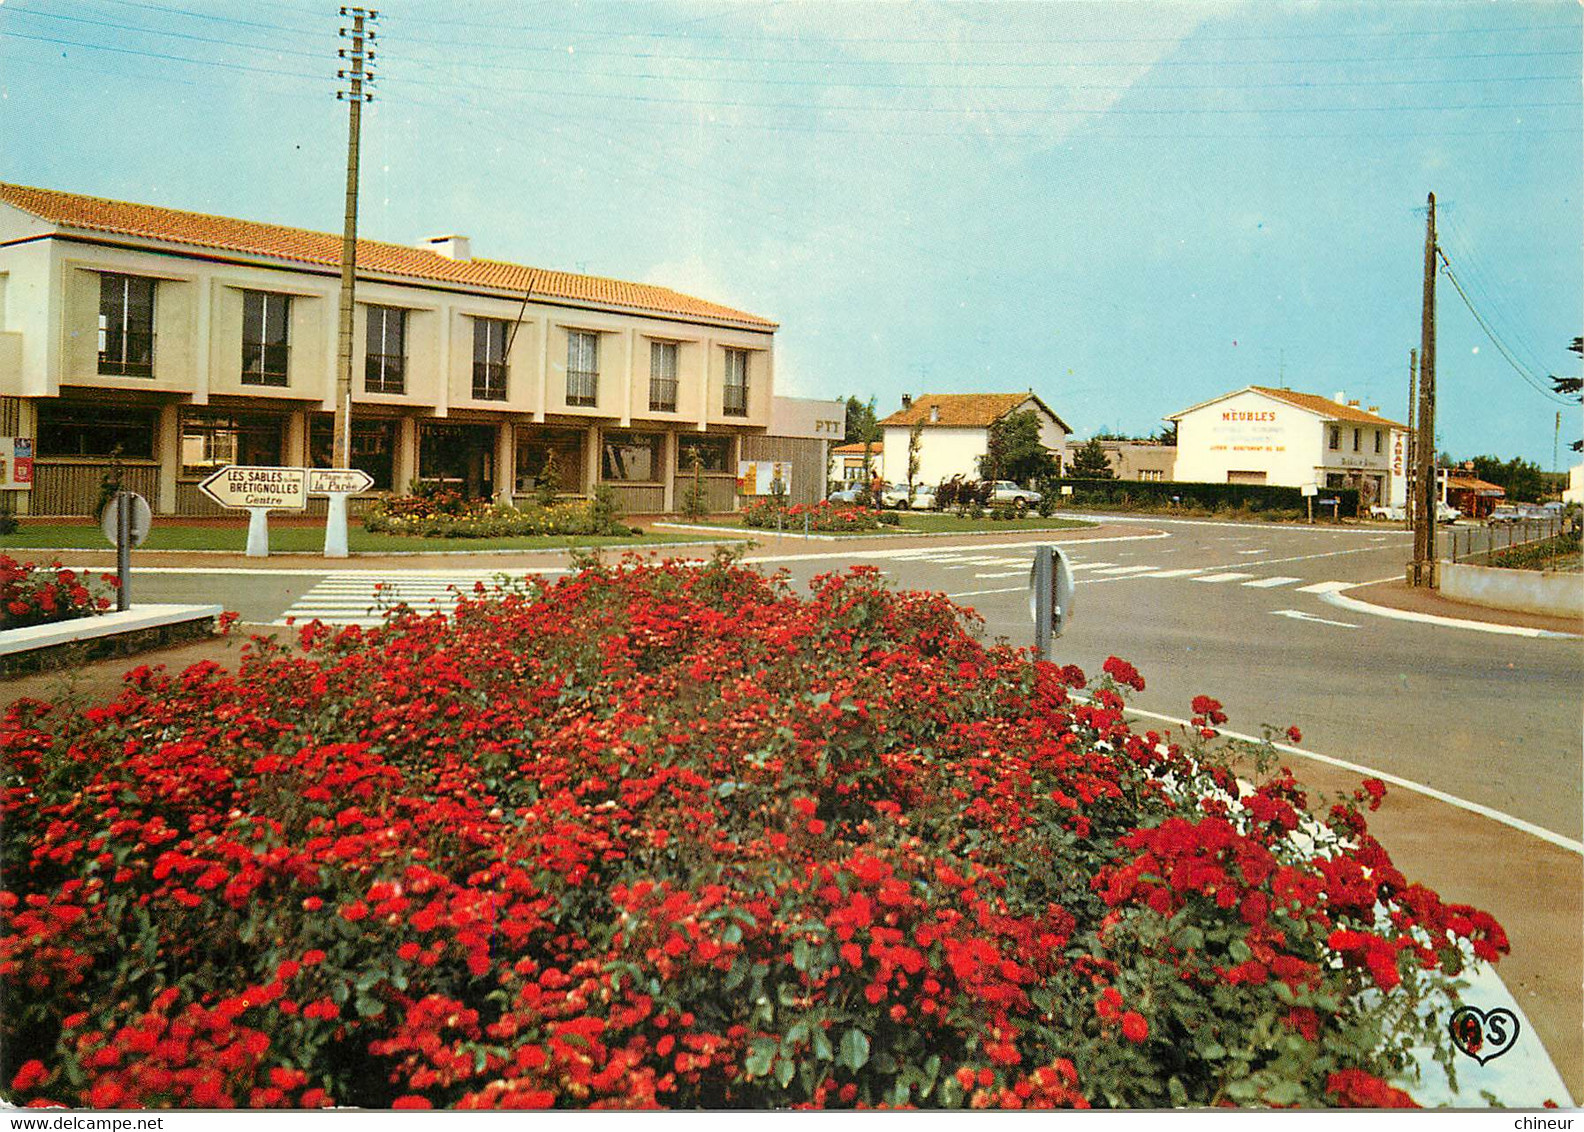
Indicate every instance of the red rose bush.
{"type": "Point", "coordinates": [36, 595]}
{"type": "Point", "coordinates": [667, 835]}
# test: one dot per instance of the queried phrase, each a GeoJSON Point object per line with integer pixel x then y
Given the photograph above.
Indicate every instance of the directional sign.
{"type": "Point", "coordinates": [281, 489]}
{"type": "Point", "coordinates": [338, 481]}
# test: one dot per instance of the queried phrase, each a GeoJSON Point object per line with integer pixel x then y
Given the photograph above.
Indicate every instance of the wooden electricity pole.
{"type": "Point", "coordinates": [1422, 573]}
{"type": "Point", "coordinates": [358, 54]}
{"type": "Point", "coordinates": [1409, 456]}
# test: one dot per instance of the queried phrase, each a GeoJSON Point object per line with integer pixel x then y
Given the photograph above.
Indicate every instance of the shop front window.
{"type": "Point", "coordinates": [215, 440]}
{"type": "Point", "coordinates": [633, 457]}
{"type": "Point", "coordinates": [373, 447]}
{"type": "Point", "coordinates": [556, 451]}
{"type": "Point", "coordinates": [714, 453]}
{"type": "Point", "coordinates": [95, 430]}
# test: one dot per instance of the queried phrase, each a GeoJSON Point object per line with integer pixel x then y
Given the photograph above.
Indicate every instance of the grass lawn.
{"type": "Point", "coordinates": [172, 535]}
{"type": "Point", "coordinates": [927, 521]}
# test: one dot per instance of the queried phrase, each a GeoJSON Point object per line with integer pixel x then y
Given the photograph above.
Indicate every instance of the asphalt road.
{"type": "Point", "coordinates": [1229, 610]}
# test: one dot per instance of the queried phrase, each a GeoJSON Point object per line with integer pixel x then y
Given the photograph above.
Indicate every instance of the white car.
{"type": "Point", "coordinates": [896, 497]}
{"type": "Point", "coordinates": [1380, 511]}
{"type": "Point", "coordinates": [1005, 491]}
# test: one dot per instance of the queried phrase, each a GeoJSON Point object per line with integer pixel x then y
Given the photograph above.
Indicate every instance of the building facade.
{"type": "Point", "coordinates": [1279, 436]}
{"type": "Point", "coordinates": [156, 346]}
{"type": "Point", "coordinates": [955, 433]}
{"type": "Point", "coordinates": [1140, 460]}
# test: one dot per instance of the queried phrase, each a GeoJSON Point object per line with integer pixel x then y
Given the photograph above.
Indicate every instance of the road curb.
{"type": "Point", "coordinates": [1357, 605]}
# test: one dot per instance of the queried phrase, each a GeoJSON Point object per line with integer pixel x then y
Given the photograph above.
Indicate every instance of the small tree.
{"type": "Point", "coordinates": [915, 442]}
{"type": "Point", "coordinates": [1090, 463]}
{"type": "Point", "coordinates": [1014, 451]}
{"type": "Point", "coordinates": [545, 485]}
{"type": "Point", "coordinates": [695, 500]}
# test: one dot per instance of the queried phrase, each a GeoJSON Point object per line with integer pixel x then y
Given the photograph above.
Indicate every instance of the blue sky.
{"type": "Point", "coordinates": [1129, 207]}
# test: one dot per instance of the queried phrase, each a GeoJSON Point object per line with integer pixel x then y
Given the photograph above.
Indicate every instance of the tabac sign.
{"type": "Point", "coordinates": [278, 489]}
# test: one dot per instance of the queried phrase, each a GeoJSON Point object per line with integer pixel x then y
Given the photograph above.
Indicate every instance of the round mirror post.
{"type": "Point", "coordinates": [124, 550]}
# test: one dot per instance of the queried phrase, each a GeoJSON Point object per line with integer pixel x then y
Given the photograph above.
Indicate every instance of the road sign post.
{"type": "Point", "coordinates": [1050, 597]}
{"type": "Point", "coordinates": [259, 490]}
{"type": "Point", "coordinates": [337, 483]}
{"type": "Point", "coordinates": [125, 523]}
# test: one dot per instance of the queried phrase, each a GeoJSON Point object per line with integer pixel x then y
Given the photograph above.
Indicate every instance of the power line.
{"type": "Point", "coordinates": [208, 16]}
{"type": "Point", "coordinates": [1484, 289]}
{"type": "Point", "coordinates": [160, 32]}
{"type": "Point", "coordinates": [162, 55]}
{"type": "Point", "coordinates": [1534, 382]}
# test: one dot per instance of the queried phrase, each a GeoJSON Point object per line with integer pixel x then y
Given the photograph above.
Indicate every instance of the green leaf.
{"type": "Point", "coordinates": [822, 1046]}
{"type": "Point", "coordinates": [784, 1071]}
{"type": "Point", "coordinates": [734, 977]}
{"type": "Point", "coordinates": [800, 954]}
{"type": "Point", "coordinates": [369, 1007]}
{"type": "Point", "coordinates": [798, 1033]}
{"type": "Point", "coordinates": [761, 1052]}
{"type": "Point", "coordinates": [1179, 1094]}
{"type": "Point", "coordinates": [855, 1049]}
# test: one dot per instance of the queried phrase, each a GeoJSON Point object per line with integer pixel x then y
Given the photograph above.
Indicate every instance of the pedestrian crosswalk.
{"type": "Point", "coordinates": [365, 597]}
{"type": "Point", "coordinates": [989, 568]}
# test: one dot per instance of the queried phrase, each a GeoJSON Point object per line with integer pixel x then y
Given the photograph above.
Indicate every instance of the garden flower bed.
{"type": "Point", "coordinates": [39, 595]}
{"type": "Point", "coordinates": [679, 836]}
{"type": "Point", "coordinates": [446, 514]}
{"type": "Point", "coordinates": [823, 517]}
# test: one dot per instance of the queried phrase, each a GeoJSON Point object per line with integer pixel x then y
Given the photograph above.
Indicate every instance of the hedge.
{"type": "Point", "coordinates": [1209, 496]}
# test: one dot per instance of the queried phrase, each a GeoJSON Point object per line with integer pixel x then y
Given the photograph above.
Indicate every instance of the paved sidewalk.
{"type": "Point", "coordinates": [1399, 595]}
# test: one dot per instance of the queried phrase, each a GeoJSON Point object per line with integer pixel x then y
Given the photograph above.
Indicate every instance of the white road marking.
{"type": "Point", "coordinates": [1176, 573]}
{"type": "Point", "coordinates": [1002, 590]}
{"type": "Point", "coordinates": [1261, 550]}
{"type": "Point", "coordinates": [1125, 570]}
{"type": "Point", "coordinates": [1230, 576]}
{"type": "Point", "coordinates": [1267, 583]}
{"type": "Point", "coordinates": [1342, 601]}
{"type": "Point", "coordinates": [1299, 615]}
{"type": "Point", "coordinates": [1004, 574]}
{"type": "Point", "coordinates": [1091, 565]}
{"type": "Point", "coordinates": [1325, 587]}
{"type": "Point", "coordinates": [1508, 820]}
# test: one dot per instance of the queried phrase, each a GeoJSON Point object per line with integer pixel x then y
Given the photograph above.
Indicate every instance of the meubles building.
{"type": "Point", "coordinates": [166, 344]}
{"type": "Point", "coordinates": [1280, 436]}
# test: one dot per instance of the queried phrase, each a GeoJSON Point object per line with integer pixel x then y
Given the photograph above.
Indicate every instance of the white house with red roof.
{"type": "Point", "coordinates": [955, 432]}
{"type": "Point", "coordinates": [169, 343]}
{"type": "Point", "coordinates": [1259, 434]}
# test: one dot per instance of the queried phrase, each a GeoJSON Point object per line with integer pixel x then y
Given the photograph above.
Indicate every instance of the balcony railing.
{"type": "Point", "coordinates": [385, 373]}
{"type": "Point", "coordinates": [735, 400]}
{"type": "Point", "coordinates": [582, 387]}
{"type": "Point", "coordinates": [662, 394]}
{"type": "Point", "coordinates": [489, 381]}
{"type": "Point", "coordinates": [128, 355]}
{"type": "Point", "coordinates": [264, 364]}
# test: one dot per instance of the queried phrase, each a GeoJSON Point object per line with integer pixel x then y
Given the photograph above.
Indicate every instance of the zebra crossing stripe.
{"type": "Point", "coordinates": [1325, 587]}
{"type": "Point", "coordinates": [1229, 576]}
{"type": "Point", "coordinates": [1125, 570]}
{"type": "Point", "coordinates": [1176, 573]}
{"type": "Point", "coordinates": [1267, 583]}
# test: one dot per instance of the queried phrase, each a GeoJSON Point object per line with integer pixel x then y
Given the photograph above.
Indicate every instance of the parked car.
{"type": "Point", "coordinates": [1504, 513]}
{"type": "Point", "coordinates": [1537, 511]}
{"type": "Point", "coordinates": [896, 497]}
{"type": "Point", "coordinates": [847, 495]}
{"type": "Point", "coordinates": [1005, 491]}
{"type": "Point", "coordinates": [1446, 513]}
{"type": "Point", "coordinates": [1381, 511]}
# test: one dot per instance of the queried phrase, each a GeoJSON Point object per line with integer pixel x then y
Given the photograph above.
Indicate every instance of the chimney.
{"type": "Point", "coordinates": [907, 401]}
{"type": "Point", "coordinates": [934, 414]}
{"type": "Point", "coordinates": [1374, 410]}
{"type": "Point", "coordinates": [1340, 398]}
{"type": "Point", "coordinates": [452, 247]}
{"type": "Point", "coordinates": [1353, 404]}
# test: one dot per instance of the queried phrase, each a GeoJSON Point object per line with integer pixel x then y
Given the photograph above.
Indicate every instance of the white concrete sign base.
{"type": "Point", "coordinates": [258, 532]}
{"type": "Point", "coordinates": [335, 544]}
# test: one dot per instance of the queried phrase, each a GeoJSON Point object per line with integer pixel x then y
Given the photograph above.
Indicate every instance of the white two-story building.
{"type": "Point", "coordinates": [954, 433]}
{"type": "Point", "coordinates": [1279, 436]}
{"type": "Point", "coordinates": [159, 345]}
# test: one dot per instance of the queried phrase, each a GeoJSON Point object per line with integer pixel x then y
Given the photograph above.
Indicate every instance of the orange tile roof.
{"type": "Point", "coordinates": [958, 410]}
{"type": "Point", "coordinates": [298, 245]}
{"type": "Point", "coordinates": [856, 449]}
{"type": "Point", "coordinates": [1325, 407]}
{"type": "Point", "coordinates": [1474, 483]}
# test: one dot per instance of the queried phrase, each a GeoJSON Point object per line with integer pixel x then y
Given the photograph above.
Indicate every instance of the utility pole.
{"type": "Point", "coordinates": [362, 36]}
{"type": "Point", "coordinates": [1422, 573]}
{"type": "Point", "coordinates": [358, 54]}
{"type": "Point", "coordinates": [1409, 457]}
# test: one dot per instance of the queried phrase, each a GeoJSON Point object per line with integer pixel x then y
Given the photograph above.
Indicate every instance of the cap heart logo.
{"type": "Point", "coordinates": [1483, 1035]}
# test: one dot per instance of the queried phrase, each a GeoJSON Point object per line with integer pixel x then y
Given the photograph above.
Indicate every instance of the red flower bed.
{"type": "Point", "coordinates": [36, 595]}
{"type": "Point", "coordinates": [678, 836]}
{"type": "Point", "coordinates": [825, 516]}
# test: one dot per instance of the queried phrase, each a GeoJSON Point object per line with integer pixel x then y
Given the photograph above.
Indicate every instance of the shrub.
{"type": "Point", "coordinates": [445, 514]}
{"type": "Point", "coordinates": [663, 835]}
{"type": "Point", "coordinates": [38, 595]}
{"type": "Point", "coordinates": [8, 523]}
{"type": "Point", "coordinates": [824, 516]}
{"type": "Point", "coordinates": [1206, 498]}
